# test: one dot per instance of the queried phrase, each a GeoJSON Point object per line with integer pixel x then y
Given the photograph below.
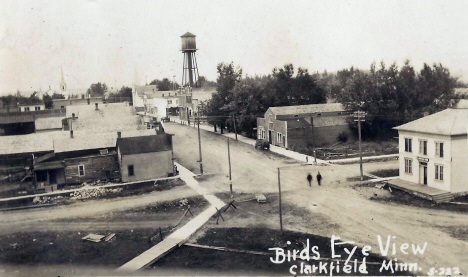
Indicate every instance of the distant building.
{"type": "Point", "coordinates": [31, 107]}
{"type": "Point", "coordinates": [292, 126]}
{"type": "Point", "coordinates": [433, 154]}
{"type": "Point", "coordinates": [145, 157]}
{"type": "Point", "coordinates": [63, 103]}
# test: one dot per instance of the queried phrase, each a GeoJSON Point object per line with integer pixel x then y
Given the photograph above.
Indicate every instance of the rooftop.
{"type": "Point", "coordinates": [449, 122]}
{"type": "Point", "coordinates": [306, 109]}
{"type": "Point", "coordinates": [48, 123]}
{"type": "Point", "coordinates": [144, 144]}
{"type": "Point", "coordinates": [108, 118]}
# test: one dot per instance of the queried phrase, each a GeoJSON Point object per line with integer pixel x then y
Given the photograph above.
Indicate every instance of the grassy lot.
{"type": "Point", "coordinates": [255, 239]}
{"type": "Point", "coordinates": [386, 173]}
{"type": "Point", "coordinates": [66, 247]}
{"type": "Point", "coordinates": [351, 149]}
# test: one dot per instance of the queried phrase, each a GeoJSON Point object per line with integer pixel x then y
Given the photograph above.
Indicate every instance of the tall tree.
{"type": "Point", "coordinates": [97, 90]}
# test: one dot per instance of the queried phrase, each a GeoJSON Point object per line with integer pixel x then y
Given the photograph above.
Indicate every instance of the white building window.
{"type": "Point", "coordinates": [278, 137]}
{"type": "Point", "coordinates": [439, 149]}
{"type": "Point", "coordinates": [81, 170]}
{"type": "Point", "coordinates": [169, 101]}
{"type": "Point", "coordinates": [423, 147]}
{"type": "Point", "coordinates": [408, 145]}
{"type": "Point", "coordinates": [439, 172]}
{"type": "Point", "coordinates": [408, 165]}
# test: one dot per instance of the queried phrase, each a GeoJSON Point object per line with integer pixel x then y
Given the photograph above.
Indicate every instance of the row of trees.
{"type": "Point", "coordinates": [248, 98]}
{"type": "Point", "coordinates": [390, 95]}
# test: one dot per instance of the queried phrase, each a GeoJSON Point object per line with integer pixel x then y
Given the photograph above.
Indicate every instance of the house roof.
{"type": "Point", "coordinates": [87, 141]}
{"type": "Point", "coordinates": [48, 123]}
{"type": "Point", "coordinates": [144, 144]}
{"type": "Point", "coordinates": [305, 109]}
{"type": "Point", "coordinates": [448, 122]}
{"type": "Point", "coordinates": [188, 34]}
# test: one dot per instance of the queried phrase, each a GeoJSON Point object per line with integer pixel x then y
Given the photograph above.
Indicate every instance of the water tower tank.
{"type": "Point", "coordinates": [188, 42]}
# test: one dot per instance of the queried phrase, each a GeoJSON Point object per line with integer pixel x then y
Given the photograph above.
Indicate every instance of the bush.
{"type": "Point", "coordinates": [342, 137]}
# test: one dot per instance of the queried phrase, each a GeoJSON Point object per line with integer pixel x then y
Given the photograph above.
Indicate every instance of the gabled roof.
{"type": "Point", "coordinates": [305, 109]}
{"type": "Point", "coordinates": [188, 34]}
{"type": "Point", "coordinates": [144, 144]}
{"type": "Point", "coordinates": [449, 122]}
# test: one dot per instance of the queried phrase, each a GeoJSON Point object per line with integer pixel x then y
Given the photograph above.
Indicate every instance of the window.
{"type": "Point", "coordinates": [439, 149]}
{"type": "Point", "coordinates": [423, 147]}
{"type": "Point", "coordinates": [81, 170]}
{"type": "Point", "coordinates": [131, 170]}
{"type": "Point", "coordinates": [163, 95]}
{"type": "Point", "coordinates": [37, 108]}
{"type": "Point", "coordinates": [62, 107]}
{"type": "Point", "coordinates": [176, 101]}
{"type": "Point", "coordinates": [26, 109]}
{"type": "Point", "coordinates": [169, 101]}
{"type": "Point", "coordinates": [278, 137]}
{"type": "Point", "coordinates": [408, 143]}
{"type": "Point", "coordinates": [408, 165]}
{"type": "Point", "coordinates": [296, 115]}
{"type": "Point", "coordinates": [439, 172]}
{"type": "Point", "coordinates": [269, 117]}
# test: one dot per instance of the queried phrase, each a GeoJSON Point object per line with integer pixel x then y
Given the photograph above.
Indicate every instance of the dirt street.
{"type": "Point", "coordinates": [357, 218]}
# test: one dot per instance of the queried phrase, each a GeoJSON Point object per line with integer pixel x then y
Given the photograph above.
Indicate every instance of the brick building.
{"type": "Point", "coordinates": [292, 126]}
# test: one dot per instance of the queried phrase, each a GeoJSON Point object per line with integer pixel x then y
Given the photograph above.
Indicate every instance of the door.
{"type": "Point", "coordinates": [423, 173]}
{"type": "Point", "coordinates": [270, 137]}
{"type": "Point", "coordinates": [52, 177]}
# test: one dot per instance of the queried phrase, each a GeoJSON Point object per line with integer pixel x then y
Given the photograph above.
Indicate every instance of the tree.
{"type": "Point", "coordinates": [205, 83]}
{"type": "Point", "coordinates": [219, 107]}
{"type": "Point", "coordinates": [97, 90]}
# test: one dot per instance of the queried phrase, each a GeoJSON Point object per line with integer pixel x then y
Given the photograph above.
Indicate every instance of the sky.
{"type": "Point", "coordinates": [127, 42]}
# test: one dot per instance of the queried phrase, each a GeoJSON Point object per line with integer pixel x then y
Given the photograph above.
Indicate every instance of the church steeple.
{"type": "Point", "coordinates": [63, 85]}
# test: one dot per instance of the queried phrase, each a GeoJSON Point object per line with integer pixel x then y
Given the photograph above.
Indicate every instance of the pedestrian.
{"type": "Point", "coordinates": [307, 159]}
{"type": "Point", "coordinates": [309, 179]}
{"type": "Point", "coordinates": [176, 172]}
{"type": "Point", "coordinates": [319, 178]}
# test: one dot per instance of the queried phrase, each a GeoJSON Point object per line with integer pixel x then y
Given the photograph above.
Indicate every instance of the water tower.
{"type": "Point", "coordinates": [190, 74]}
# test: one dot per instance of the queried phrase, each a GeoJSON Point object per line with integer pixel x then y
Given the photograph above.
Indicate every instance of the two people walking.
{"type": "Point", "coordinates": [309, 179]}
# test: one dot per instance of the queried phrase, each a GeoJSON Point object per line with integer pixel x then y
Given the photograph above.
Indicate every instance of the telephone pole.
{"type": "Point", "coordinates": [280, 212]}
{"type": "Point", "coordinates": [360, 115]}
{"type": "Point", "coordinates": [199, 146]}
{"type": "Point", "coordinates": [234, 120]}
{"type": "Point", "coordinates": [229, 159]}
{"type": "Point", "coordinates": [313, 137]}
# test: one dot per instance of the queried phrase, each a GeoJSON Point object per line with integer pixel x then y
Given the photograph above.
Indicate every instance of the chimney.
{"type": "Point", "coordinates": [97, 107]}
{"type": "Point", "coordinates": [71, 133]}
{"type": "Point", "coordinates": [73, 115]}
{"type": "Point", "coordinates": [119, 134]}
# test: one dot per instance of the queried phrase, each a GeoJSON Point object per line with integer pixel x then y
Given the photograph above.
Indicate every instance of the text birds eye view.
{"type": "Point", "coordinates": [334, 145]}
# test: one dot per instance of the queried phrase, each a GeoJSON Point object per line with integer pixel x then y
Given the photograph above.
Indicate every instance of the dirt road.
{"type": "Point", "coordinates": [43, 218]}
{"type": "Point", "coordinates": [359, 220]}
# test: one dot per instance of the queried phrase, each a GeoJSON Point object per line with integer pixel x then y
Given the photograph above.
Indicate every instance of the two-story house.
{"type": "Point", "coordinates": [433, 151]}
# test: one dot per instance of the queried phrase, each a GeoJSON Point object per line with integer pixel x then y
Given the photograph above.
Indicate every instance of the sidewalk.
{"type": "Point", "coordinates": [180, 236]}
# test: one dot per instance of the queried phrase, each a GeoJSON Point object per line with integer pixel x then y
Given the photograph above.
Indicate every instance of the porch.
{"type": "Point", "coordinates": [422, 191]}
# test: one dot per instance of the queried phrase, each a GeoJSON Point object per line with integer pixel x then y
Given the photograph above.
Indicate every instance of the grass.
{"type": "Point", "coordinates": [254, 239]}
{"type": "Point", "coordinates": [386, 172]}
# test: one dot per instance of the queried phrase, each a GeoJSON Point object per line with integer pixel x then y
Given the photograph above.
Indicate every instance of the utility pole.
{"type": "Point", "coordinates": [199, 147]}
{"type": "Point", "coordinates": [234, 119]}
{"type": "Point", "coordinates": [280, 212]}
{"type": "Point", "coordinates": [359, 115]}
{"type": "Point", "coordinates": [313, 137]}
{"type": "Point", "coordinates": [229, 159]}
